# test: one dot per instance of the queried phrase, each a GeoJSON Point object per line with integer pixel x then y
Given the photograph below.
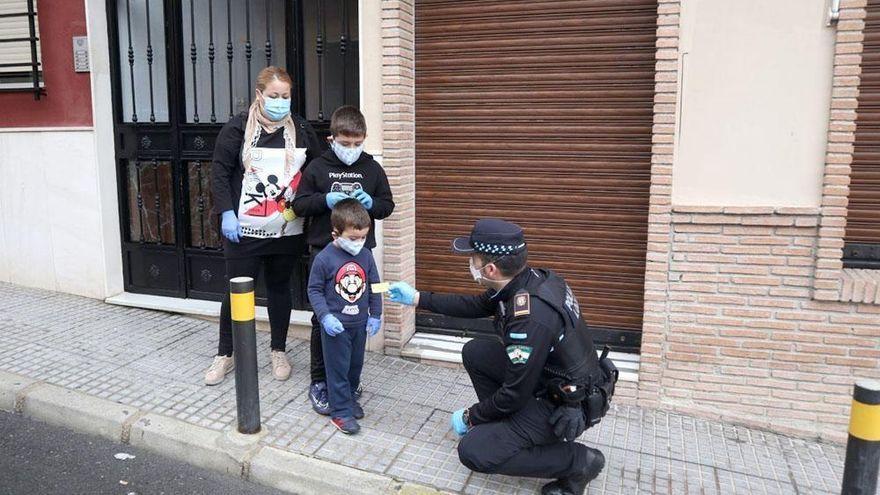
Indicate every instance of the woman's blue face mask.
{"type": "Point", "coordinates": [276, 108]}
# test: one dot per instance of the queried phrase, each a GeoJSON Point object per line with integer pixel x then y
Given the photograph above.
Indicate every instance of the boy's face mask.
{"type": "Point", "coordinates": [352, 247]}
{"type": "Point", "coordinates": [349, 246]}
{"type": "Point", "coordinates": [347, 155]}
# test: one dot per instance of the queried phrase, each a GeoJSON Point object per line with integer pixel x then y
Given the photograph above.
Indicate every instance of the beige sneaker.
{"type": "Point", "coordinates": [218, 370]}
{"type": "Point", "coordinates": [280, 365]}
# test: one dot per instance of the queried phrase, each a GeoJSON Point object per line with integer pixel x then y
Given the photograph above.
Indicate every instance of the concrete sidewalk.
{"type": "Point", "coordinates": [151, 364]}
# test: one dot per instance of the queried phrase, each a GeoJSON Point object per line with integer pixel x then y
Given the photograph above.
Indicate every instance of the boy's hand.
{"type": "Point", "coordinates": [333, 198]}
{"type": "Point", "coordinates": [332, 325]}
{"type": "Point", "coordinates": [373, 325]}
{"type": "Point", "coordinates": [403, 293]}
{"type": "Point", "coordinates": [364, 197]}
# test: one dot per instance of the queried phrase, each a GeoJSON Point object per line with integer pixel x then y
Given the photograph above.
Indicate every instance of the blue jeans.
{"type": "Point", "coordinates": [344, 360]}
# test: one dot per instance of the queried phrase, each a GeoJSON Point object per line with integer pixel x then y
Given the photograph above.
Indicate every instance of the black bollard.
{"type": "Point", "coordinates": [863, 445]}
{"type": "Point", "coordinates": [244, 334]}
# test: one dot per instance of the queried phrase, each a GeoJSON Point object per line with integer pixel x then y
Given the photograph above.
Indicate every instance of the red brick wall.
{"type": "Point", "coordinates": [68, 100]}
{"type": "Point", "coordinates": [744, 340]}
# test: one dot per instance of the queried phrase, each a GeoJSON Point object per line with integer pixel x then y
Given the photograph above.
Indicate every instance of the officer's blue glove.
{"type": "Point", "coordinates": [230, 227]}
{"type": "Point", "coordinates": [334, 197]}
{"type": "Point", "coordinates": [332, 325]}
{"type": "Point", "coordinates": [373, 325]}
{"type": "Point", "coordinates": [403, 293]}
{"type": "Point", "coordinates": [364, 197]}
{"type": "Point", "coordinates": [459, 425]}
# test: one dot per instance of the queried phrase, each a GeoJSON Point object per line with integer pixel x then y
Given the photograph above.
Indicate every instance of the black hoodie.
{"type": "Point", "coordinates": [328, 174]}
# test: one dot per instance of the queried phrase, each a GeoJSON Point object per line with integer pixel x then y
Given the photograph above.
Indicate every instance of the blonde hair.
{"type": "Point", "coordinates": [273, 73]}
{"type": "Point", "coordinates": [259, 121]}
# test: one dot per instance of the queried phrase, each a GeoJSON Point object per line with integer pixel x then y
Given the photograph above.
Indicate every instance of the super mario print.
{"type": "Point", "coordinates": [265, 209]}
{"type": "Point", "coordinates": [351, 283]}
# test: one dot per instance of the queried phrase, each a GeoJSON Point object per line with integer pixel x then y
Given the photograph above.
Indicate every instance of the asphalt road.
{"type": "Point", "coordinates": [36, 458]}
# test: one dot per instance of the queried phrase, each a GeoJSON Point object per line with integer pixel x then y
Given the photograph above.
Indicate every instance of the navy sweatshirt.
{"type": "Point", "coordinates": [339, 284]}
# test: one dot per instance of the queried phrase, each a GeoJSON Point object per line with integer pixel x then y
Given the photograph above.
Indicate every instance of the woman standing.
{"type": "Point", "coordinates": [258, 161]}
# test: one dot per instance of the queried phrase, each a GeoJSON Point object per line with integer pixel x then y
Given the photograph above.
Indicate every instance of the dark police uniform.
{"type": "Point", "coordinates": [542, 337]}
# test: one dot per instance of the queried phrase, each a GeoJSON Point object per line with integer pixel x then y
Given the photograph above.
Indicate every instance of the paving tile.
{"type": "Point", "coordinates": [155, 361]}
{"type": "Point", "coordinates": [431, 464]}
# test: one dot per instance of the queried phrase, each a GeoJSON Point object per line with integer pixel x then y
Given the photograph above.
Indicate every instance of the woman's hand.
{"type": "Point", "coordinates": [230, 227]}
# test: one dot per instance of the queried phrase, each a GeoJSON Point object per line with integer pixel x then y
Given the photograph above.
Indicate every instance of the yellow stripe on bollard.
{"type": "Point", "coordinates": [242, 306]}
{"type": "Point", "coordinates": [864, 422]}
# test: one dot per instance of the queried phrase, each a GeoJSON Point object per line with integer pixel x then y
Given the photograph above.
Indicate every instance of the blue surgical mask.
{"type": "Point", "coordinates": [347, 155]}
{"type": "Point", "coordinates": [349, 246]}
{"type": "Point", "coordinates": [276, 108]}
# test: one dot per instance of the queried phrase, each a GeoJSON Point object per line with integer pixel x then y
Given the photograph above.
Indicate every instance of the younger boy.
{"type": "Point", "coordinates": [344, 171]}
{"type": "Point", "coordinates": [342, 300]}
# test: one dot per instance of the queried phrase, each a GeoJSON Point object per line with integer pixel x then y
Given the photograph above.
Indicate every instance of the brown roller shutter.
{"type": "Point", "coordinates": [863, 215]}
{"type": "Point", "coordinates": [539, 112]}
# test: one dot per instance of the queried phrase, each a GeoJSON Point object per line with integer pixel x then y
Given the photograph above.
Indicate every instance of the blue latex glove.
{"type": "Point", "coordinates": [332, 325]}
{"type": "Point", "coordinates": [334, 197]}
{"type": "Point", "coordinates": [230, 227]}
{"type": "Point", "coordinates": [458, 424]}
{"type": "Point", "coordinates": [364, 197]}
{"type": "Point", "coordinates": [373, 325]}
{"type": "Point", "coordinates": [402, 292]}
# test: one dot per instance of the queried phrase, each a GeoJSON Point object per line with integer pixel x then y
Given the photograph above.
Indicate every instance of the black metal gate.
{"type": "Point", "coordinates": [181, 68]}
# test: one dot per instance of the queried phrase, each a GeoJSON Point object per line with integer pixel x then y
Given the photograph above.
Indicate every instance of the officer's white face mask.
{"type": "Point", "coordinates": [477, 273]}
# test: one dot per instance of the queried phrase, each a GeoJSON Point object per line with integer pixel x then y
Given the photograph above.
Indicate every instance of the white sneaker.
{"type": "Point", "coordinates": [280, 365]}
{"type": "Point", "coordinates": [218, 370]}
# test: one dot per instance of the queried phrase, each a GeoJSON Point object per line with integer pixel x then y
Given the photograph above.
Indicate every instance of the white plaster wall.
{"type": "Point", "coordinates": [370, 83]}
{"type": "Point", "coordinates": [754, 107]}
{"type": "Point", "coordinates": [105, 152]}
{"type": "Point", "coordinates": [50, 214]}
{"type": "Point", "coordinates": [370, 45]}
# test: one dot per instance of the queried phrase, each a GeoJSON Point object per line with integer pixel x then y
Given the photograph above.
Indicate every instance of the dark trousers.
{"type": "Point", "coordinates": [522, 444]}
{"type": "Point", "coordinates": [344, 358]}
{"type": "Point", "coordinates": [277, 269]}
{"type": "Point", "coordinates": [316, 351]}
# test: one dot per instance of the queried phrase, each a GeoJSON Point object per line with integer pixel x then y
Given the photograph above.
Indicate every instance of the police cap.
{"type": "Point", "coordinates": [492, 236]}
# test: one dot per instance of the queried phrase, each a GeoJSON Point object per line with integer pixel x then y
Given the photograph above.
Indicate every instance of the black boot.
{"type": "Point", "coordinates": [577, 483]}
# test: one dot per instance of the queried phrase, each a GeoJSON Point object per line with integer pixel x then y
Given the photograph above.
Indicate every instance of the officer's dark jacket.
{"type": "Point", "coordinates": [529, 329]}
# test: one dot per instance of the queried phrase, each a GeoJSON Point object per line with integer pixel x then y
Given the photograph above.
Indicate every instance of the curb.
{"type": "Point", "coordinates": [226, 452]}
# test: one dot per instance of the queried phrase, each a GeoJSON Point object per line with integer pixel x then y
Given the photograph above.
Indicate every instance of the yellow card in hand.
{"type": "Point", "coordinates": [379, 287]}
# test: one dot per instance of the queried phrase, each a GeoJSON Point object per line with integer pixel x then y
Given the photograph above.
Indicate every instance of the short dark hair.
{"type": "Point", "coordinates": [349, 213]}
{"type": "Point", "coordinates": [349, 121]}
{"type": "Point", "coordinates": [510, 265]}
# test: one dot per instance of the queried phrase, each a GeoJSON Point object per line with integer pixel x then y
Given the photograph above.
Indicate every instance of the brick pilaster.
{"type": "Point", "coordinates": [839, 151]}
{"type": "Point", "coordinates": [398, 110]}
{"type": "Point", "coordinates": [659, 232]}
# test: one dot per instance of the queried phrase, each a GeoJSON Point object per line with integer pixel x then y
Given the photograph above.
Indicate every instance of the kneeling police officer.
{"type": "Point", "coordinates": [541, 385]}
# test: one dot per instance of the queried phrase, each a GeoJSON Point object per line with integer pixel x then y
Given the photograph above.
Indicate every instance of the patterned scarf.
{"type": "Point", "coordinates": [257, 122]}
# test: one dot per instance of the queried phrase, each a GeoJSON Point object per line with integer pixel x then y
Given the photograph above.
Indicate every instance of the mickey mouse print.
{"type": "Point", "coordinates": [267, 194]}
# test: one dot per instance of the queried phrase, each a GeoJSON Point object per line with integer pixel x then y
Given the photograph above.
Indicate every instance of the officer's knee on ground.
{"type": "Point", "coordinates": [473, 455]}
{"type": "Point", "coordinates": [473, 353]}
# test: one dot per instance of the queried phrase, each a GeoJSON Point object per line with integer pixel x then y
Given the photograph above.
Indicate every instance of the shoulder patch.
{"type": "Point", "coordinates": [519, 354]}
{"type": "Point", "coordinates": [522, 305]}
